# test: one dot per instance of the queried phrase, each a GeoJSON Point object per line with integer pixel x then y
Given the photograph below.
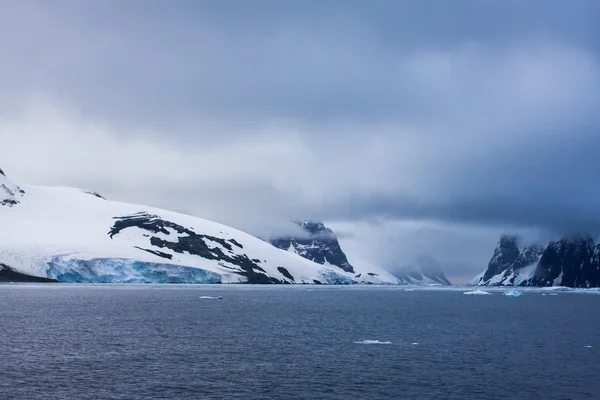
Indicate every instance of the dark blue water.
{"type": "Point", "coordinates": [164, 342]}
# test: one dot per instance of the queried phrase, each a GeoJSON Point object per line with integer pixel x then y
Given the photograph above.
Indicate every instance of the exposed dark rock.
{"type": "Point", "coordinates": [571, 261]}
{"type": "Point", "coordinates": [505, 255]}
{"type": "Point", "coordinates": [157, 253]}
{"type": "Point", "coordinates": [316, 243]}
{"type": "Point", "coordinates": [8, 274]}
{"type": "Point", "coordinates": [188, 241]}
{"type": "Point", "coordinates": [285, 273]}
{"type": "Point", "coordinates": [95, 194]}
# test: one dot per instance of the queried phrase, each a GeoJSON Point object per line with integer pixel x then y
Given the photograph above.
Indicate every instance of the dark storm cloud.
{"type": "Point", "coordinates": [467, 113]}
{"type": "Point", "coordinates": [154, 62]}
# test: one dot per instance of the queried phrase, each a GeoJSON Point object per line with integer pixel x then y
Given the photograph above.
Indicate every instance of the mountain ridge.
{"type": "Point", "coordinates": [572, 261]}
{"type": "Point", "coordinates": [73, 235]}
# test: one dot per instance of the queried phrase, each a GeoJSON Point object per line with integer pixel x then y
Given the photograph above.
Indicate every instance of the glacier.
{"type": "Point", "coordinates": [120, 270]}
{"type": "Point", "coordinates": [334, 278]}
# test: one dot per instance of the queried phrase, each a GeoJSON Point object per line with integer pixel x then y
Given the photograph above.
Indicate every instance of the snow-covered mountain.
{"type": "Point", "coordinates": [316, 242]}
{"type": "Point", "coordinates": [571, 261]}
{"type": "Point", "coordinates": [424, 270]}
{"type": "Point", "coordinates": [71, 235]}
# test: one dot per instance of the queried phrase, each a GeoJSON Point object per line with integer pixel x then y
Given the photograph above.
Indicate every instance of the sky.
{"type": "Point", "coordinates": [411, 127]}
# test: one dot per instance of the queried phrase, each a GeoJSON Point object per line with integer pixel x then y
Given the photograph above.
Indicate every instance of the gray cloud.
{"type": "Point", "coordinates": [476, 116]}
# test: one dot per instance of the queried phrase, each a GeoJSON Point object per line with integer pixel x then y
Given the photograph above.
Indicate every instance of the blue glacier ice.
{"type": "Point", "coordinates": [122, 270]}
{"type": "Point", "coordinates": [513, 293]}
{"type": "Point", "coordinates": [333, 278]}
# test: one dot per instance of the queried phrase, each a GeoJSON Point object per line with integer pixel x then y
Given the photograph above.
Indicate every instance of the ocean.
{"type": "Point", "coordinates": [131, 342]}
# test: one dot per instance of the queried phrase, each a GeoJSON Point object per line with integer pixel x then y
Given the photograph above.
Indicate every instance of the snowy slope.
{"type": "Point", "coordinates": [316, 242]}
{"type": "Point", "coordinates": [77, 236]}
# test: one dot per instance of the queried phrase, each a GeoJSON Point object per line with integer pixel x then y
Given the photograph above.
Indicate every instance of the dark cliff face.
{"type": "Point", "coordinates": [316, 243]}
{"type": "Point", "coordinates": [8, 274]}
{"type": "Point", "coordinates": [571, 261]}
{"type": "Point", "coordinates": [505, 255]}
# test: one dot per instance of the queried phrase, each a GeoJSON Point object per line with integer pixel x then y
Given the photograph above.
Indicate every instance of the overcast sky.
{"type": "Point", "coordinates": [422, 127]}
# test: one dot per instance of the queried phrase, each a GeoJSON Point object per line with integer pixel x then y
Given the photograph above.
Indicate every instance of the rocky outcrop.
{"type": "Point", "coordinates": [571, 261]}
{"type": "Point", "coordinates": [8, 274]}
{"type": "Point", "coordinates": [9, 192]}
{"type": "Point", "coordinates": [316, 243]}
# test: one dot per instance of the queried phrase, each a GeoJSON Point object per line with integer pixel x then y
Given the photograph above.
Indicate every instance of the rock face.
{"type": "Point", "coordinates": [10, 193]}
{"type": "Point", "coordinates": [316, 243]}
{"type": "Point", "coordinates": [8, 274]}
{"type": "Point", "coordinates": [570, 261]}
{"type": "Point", "coordinates": [423, 270]}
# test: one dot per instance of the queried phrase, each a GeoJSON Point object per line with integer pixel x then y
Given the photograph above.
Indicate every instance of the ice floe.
{"type": "Point", "coordinates": [478, 292]}
{"type": "Point", "coordinates": [372, 342]}
{"type": "Point", "coordinates": [513, 293]}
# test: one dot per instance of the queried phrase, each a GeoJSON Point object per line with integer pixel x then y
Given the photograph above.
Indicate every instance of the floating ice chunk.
{"type": "Point", "coordinates": [588, 347]}
{"type": "Point", "coordinates": [372, 342]}
{"type": "Point", "coordinates": [415, 344]}
{"type": "Point", "coordinates": [553, 294]}
{"type": "Point", "coordinates": [513, 293]}
{"type": "Point", "coordinates": [477, 292]}
{"type": "Point", "coordinates": [212, 297]}
{"type": "Point", "coordinates": [557, 289]}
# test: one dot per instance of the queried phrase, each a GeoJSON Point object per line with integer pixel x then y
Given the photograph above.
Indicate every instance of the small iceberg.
{"type": "Point", "coordinates": [372, 342]}
{"type": "Point", "coordinates": [478, 292]}
{"type": "Point", "coordinates": [513, 293]}
{"type": "Point", "coordinates": [588, 347]}
{"type": "Point", "coordinates": [556, 289]}
{"type": "Point", "coordinates": [211, 297]}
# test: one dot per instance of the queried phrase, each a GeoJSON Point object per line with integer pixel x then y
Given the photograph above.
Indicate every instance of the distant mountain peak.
{"type": "Point", "coordinates": [316, 243]}
{"type": "Point", "coordinates": [424, 269]}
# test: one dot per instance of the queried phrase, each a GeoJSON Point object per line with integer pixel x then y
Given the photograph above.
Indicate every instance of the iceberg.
{"type": "Point", "coordinates": [372, 342]}
{"type": "Point", "coordinates": [513, 293]}
{"type": "Point", "coordinates": [478, 292]}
